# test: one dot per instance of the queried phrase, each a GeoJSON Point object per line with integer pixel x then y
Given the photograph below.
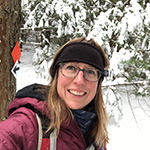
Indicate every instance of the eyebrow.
{"type": "Point", "coordinates": [87, 65]}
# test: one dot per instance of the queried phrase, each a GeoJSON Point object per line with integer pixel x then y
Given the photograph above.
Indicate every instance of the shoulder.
{"type": "Point", "coordinates": [20, 130]}
{"type": "Point", "coordinates": [32, 97]}
{"type": "Point", "coordinates": [38, 91]}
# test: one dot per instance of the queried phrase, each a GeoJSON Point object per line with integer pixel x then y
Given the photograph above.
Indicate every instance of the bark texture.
{"type": "Point", "coordinates": [10, 22]}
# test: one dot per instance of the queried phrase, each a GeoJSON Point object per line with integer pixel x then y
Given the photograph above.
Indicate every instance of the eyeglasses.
{"type": "Point", "coordinates": [71, 70]}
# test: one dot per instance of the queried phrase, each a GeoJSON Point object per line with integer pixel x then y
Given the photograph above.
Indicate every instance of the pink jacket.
{"type": "Point", "coordinates": [20, 130]}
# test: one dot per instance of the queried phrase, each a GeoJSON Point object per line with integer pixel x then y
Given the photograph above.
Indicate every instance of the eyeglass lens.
{"type": "Point", "coordinates": [71, 71]}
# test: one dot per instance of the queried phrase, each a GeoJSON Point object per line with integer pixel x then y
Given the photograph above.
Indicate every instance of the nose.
{"type": "Point", "coordinates": [79, 79]}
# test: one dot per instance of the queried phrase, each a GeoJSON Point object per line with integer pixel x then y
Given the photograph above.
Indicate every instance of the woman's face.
{"type": "Point", "coordinates": [77, 92]}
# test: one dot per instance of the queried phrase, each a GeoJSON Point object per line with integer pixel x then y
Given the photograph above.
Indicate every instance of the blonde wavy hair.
{"type": "Point", "coordinates": [59, 111]}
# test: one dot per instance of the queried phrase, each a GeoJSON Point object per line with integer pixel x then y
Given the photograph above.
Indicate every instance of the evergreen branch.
{"type": "Point", "coordinates": [115, 5]}
{"type": "Point", "coordinates": [128, 83]}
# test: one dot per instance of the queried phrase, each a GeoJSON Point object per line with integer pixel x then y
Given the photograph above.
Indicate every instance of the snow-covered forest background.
{"type": "Point", "coordinates": [122, 28]}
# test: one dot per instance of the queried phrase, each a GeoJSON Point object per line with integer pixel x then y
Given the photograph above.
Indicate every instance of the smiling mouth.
{"type": "Point", "coordinates": [76, 93]}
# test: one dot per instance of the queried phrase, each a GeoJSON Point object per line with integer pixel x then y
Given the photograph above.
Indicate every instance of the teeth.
{"type": "Point", "coordinates": [76, 93]}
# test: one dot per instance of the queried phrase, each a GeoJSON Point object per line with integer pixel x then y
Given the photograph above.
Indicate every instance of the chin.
{"type": "Point", "coordinates": [75, 107]}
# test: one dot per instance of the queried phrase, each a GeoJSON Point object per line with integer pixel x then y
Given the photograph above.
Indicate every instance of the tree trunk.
{"type": "Point", "coordinates": [10, 22]}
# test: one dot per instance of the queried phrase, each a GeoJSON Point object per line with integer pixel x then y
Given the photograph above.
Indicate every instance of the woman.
{"type": "Point", "coordinates": [71, 109]}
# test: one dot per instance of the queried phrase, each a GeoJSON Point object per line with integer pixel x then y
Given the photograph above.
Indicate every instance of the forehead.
{"type": "Point", "coordinates": [80, 64]}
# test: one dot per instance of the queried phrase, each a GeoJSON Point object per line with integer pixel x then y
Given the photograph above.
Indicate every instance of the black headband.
{"type": "Point", "coordinates": [80, 52]}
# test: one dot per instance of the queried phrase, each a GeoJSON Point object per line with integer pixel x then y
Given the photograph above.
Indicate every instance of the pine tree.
{"type": "Point", "coordinates": [10, 21]}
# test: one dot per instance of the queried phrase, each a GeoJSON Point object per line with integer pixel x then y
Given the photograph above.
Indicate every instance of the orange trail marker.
{"type": "Point", "coordinates": [16, 53]}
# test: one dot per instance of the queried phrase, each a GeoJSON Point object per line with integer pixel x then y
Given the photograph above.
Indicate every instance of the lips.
{"type": "Point", "coordinates": [76, 93]}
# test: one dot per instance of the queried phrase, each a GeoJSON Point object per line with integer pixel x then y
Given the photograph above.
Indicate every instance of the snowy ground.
{"type": "Point", "coordinates": [125, 136]}
{"type": "Point", "coordinates": [129, 135]}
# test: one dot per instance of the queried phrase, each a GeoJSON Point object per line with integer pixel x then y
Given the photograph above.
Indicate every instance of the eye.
{"type": "Point", "coordinates": [91, 72]}
{"type": "Point", "coordinates": [70, 67]}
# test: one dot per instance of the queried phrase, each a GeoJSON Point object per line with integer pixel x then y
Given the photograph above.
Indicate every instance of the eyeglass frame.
{"type": "Point", "coordinates": [100, 73]}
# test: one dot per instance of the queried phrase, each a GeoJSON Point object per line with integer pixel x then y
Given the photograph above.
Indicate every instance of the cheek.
{"type": "Point", "coordinates": [62, 81]}
{"type": "Point", "coordinates": [61, 84]}
{"type": "Point", "coordinates": [93, 90]}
